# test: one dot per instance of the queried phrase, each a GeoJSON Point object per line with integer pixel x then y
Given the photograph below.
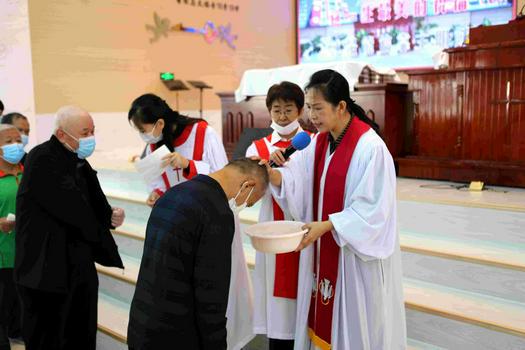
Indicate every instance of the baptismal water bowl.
{"type": "Point", "coordinates": [276, 236]}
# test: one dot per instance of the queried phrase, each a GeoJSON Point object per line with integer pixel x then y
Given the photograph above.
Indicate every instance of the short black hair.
{"type": "Point", "coordinates": [1, 106]}
{"type": "Point", "coordinates": [285, 91]}
{"type": "Point", "coordinates": [10, 118]}
{"type": "Point", "coordinates": [251, 167]}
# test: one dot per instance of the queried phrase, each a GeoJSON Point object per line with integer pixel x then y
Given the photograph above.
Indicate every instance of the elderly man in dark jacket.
{"type": "Point", "coordinates": [62, 223]}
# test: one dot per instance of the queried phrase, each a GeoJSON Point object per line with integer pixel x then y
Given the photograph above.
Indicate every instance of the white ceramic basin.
{"type": "Point", "coordinates": [276, 236]}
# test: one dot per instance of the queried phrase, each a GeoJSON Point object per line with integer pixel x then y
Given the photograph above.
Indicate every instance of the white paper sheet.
{"type": "Point", "coordinates": [150, 167]}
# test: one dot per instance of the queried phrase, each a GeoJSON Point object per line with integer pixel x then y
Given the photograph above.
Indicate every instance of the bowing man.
{"type": "Point", "coordinates": [182, 289]}
{"type": "Point", "coordinates": [195, 149]}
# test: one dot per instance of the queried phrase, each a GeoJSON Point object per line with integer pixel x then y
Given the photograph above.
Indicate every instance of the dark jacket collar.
{"type": "Point", "coordinates": [70, 157]}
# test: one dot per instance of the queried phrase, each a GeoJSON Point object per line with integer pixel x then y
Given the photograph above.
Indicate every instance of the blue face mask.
{"type": "Point", "coordinates": [25, 140]}
{"type": "Point", "coordinates": [86, 146]}
{"type": "Point", "coordinates": [13, 153]}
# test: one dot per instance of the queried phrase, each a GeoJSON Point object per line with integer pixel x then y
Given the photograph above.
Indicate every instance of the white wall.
{"type": "Point", "coordinates": [16, 72]}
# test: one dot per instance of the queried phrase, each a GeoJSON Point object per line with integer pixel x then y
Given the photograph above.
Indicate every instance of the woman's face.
{"type": "Point", "coordinates": [284, 112]}
{"type": "Point", "coordinates": [154, 129]}
{"type": "Point", "coordinates": [323, 115]}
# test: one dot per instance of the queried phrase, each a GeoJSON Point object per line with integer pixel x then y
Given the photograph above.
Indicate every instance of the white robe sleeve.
{"type": "Point", "coordinates": [295, 192]}
{"type": "Point", "coordinates": [367, 223]}
{"type": "Point", "coordinates": [157, 185]}
{"type": "Point", "coordinates": [214, 157]}
{"type": "Point", "coordinates": [252, 151]}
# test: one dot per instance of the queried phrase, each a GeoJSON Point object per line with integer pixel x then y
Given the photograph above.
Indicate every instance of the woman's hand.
{"type": "Point", "coordinates": [274, 175]}
{"type": "Point", "coordinates": [277, 157]}
{"type": "Point", "coordinates": [152, 199]}
{"type": "Point", "coordinates": [315, 230]}
{"type": "Point", "coordinates": [176, 160]}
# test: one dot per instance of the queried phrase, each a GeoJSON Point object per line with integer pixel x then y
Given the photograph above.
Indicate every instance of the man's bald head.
{"type": "Point", "coordinates": [73, 123]}
{"type": "Point", "coordinates": [68, 116]}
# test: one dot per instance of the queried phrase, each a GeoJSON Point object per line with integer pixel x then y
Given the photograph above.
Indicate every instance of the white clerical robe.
{"type": "Point", "coordinates": [273, 316]}
{"type": "Point", "coordinates": [240, 299]}
{"type": "Point", "coordinates": [368, 301]}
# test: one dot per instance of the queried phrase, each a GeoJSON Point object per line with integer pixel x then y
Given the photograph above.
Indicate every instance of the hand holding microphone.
{"type": "Point", "coordinates": [299, 142]}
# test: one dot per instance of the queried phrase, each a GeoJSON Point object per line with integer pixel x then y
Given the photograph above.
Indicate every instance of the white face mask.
{"type": "Point", "coordinates": [236, 209]}
{"type": "Point", "coordinates": [149, 138]}
{"type": "Point", "coordinates": [286, 130]}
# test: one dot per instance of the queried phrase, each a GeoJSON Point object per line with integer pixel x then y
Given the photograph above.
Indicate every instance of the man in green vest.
{"type": "Point", "coordinates": [11, 152]}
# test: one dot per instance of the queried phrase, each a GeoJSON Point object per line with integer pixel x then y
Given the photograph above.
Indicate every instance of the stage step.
{"type": "Point", "coordinates": [462, 222]}
{"type": "Point", "coordinates": [495, 314]}
{"type": "Point", "coordinates": [450, 271]}
{"type": "Point", "coordinates": [453, 257]}
{"type": "Point", "coordinates": [113, 316]}
{"type": "Point", "coordinates": [490, 312]}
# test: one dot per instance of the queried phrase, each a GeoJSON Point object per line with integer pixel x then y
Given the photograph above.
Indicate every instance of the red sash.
{"type": "Point", "coordinates": [286, 265]}
{"type": "Point", "coordinates": [321, 305]}
{"type": "Point", "coordinates": [198, 147]}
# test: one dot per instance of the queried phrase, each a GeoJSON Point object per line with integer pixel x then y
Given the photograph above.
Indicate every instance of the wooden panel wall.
{"type": "Point", "coordinates": [494, 129]}
{"type": "Point", "coordinates": [437, 114]}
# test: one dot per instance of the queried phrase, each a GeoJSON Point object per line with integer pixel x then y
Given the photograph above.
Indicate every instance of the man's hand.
{"type": "Point", "coordinates": [176, 160]}
{"type": "Point", "coordinates": [6, 226]}
{"type": "Point", "coordinates": [152, 199]}
{"type": "Point", "coordinates": [117, 218]}
{"type": "Point", "coordinates": [315, 230]}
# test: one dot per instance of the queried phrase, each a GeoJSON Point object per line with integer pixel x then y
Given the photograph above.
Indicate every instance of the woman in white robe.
{"type": "Point", "coordinates": [276, 275]}
{"type": "Point", "coordinates": [196, 149]}
{"type": "Point", "coordinates": [368, 309]}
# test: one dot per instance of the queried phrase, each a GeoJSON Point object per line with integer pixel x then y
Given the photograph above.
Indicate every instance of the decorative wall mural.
{"type": "Point", "coordinates": [210, 32]}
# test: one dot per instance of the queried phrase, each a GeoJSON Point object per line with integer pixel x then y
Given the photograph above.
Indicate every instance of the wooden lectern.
{"type": "Point", "coordinates": [468, 122]}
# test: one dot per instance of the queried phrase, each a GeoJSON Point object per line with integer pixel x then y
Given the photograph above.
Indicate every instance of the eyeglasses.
{"type": "Point", "coordinates": [286, 113]}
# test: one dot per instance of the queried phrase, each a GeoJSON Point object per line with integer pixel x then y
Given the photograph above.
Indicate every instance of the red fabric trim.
{"type": "Point", "coordinates": [262, 149]}
{"type": "Point", "coordinates": [200, 135]}
{"type": "Point", "coordinates": [321, 307]}
{"type": "Point", "coordinates": [183, 137]}
{"type": "Point", "coordinates": [190, 171]}
{"type": "Point", "coordinates": [159, 192]}
{"type": "Point", "coordinates": [166, 180]}
{"type": "Point", "coordinates": [286, 265]}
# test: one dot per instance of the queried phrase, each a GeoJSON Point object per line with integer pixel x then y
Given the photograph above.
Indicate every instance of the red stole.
{"type": "Point", "coordinates": [286, 265]}
{"type": "Point", "coordinates": [321, 305]}
{"type": "Point", "coordinates": [198, 147]}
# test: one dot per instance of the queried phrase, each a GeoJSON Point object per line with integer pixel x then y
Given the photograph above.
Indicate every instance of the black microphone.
{"type": "Point", "coordinates": [299, 142]}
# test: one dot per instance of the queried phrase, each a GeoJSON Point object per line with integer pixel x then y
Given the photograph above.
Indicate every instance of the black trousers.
{"type": "Point", "coordinates": [61, 321]}
{"type": "Point", "coordinates": [279, 344]}
{"type": "Point", "coordinates": [9, 308]}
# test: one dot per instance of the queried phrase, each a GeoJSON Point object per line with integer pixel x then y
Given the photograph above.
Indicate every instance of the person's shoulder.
{"type": "Point", "coordinates": [184, 193]}
{"type": "Point", "coordinates": [372, 145]}
{"type": "Point", "coordinates": [42, 148]}
{"type": "Point", "coordinates": [41, 152]}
